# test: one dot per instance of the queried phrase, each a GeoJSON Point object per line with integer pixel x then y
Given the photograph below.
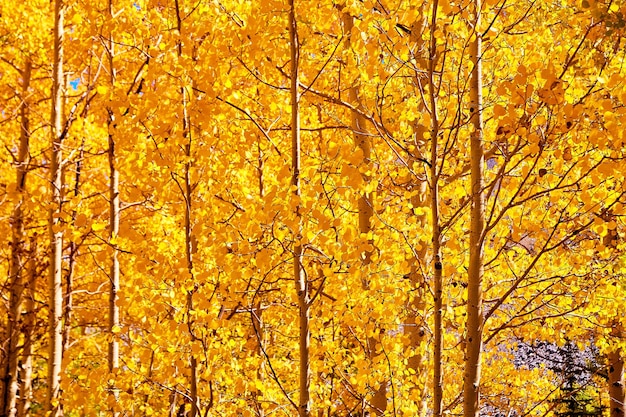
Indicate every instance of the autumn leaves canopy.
{"type": "Point", "coordinates": [314, 208]}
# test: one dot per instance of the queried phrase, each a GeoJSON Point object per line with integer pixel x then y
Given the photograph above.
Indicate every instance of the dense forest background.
{"type": "Point", "coordinates": [331, 208]}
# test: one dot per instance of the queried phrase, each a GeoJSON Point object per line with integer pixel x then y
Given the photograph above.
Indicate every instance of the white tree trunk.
{"type": "Point", "coordinates": [55, 298]}
{"type": "Point", "coordinates": [114, 227]}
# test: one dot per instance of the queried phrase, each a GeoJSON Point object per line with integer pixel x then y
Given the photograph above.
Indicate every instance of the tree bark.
{"type": "Point", "coordinates": [68, 294]}
{"type": "Point", "coordinates": [436, 228]}
{"type": "Point", "coordinates": [474, 325]}
{"type": "Point", "coordinates": [416, 326]}
{"type": "Point", "coordinates": [189, 249]}
{"type": "Point", "coordinates": [68, 298]}
{"type": "Point", "coordinates": [71, 269]}
{"type": "Point", "coordinates": [189, 238]}
{"type": "Point", "coordinates": [55, 298]}
{"type": "Point", "coordinates": [16, 268]}
{"type": "Point", "coordinates": [298, 268]}
{"type": "Point", "coordinates": [114, 228]}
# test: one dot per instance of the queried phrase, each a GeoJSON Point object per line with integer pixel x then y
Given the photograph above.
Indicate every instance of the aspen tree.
{"type": "Point", "coordinates": [68, 291]}
{"type": "Point", "coordinates": [416, 326]}
{"type": "Point", "coordinates": [55, 298]}
{"type": "Point", "coordinates": [299, 275]}
{"type": "Point", "coordinates": [437, 262]}
{"type": "Point", "coordinates": [18, 256]}
{"type": "Point", "coordinates": [410, 88]}
{"type": "Point", "coordinates": [474, 324]}
{"type": "Point", "coordinates": [189, 237]}
{"type": "Point", "coordinates": [427, 199]}
{"type": "Point", "coordinates": [114, 223]}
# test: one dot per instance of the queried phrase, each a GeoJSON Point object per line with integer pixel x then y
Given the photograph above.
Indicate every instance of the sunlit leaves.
{"type": "Point", "coordinates": [553, 91]}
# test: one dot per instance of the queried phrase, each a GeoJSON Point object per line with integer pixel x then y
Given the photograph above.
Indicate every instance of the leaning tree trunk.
{"type": "Point", "coordinates": [474, 325]}
{"type": "Point", "coordinates": [16, 268]}
{"type": "Point", "coordinates": [55, 298]}
{"type": "Point", "coordinates": [299, 275]}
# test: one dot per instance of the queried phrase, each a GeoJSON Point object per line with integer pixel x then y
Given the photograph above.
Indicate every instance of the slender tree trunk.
{"type": "Point", "coordinates": [189, 238]}
{"type": "Point", "coordinates": [436, 229]}
{"type": "Point", "coordinates": [438, 294]}
{"type": "Point", "coordinates": [68, 294]}
{"type": "Point", "coordinates": [257, 328]}
{"type": "Point", "coordinates": [617, 380]}
{"type": "Point", "coordinates": [257, 312]}
{"type": "Point", "coordinates": [26, 389]}
{"type": "Point", "coordinates": [73, 248]}
{"type": "Point", "coordinates": [298, 268]}
{"type": "Point", "coordinates": [114, 228]}
{"type": "Point", "coordinates": [55, 299]}
{"type": "Point", "coordinates": [69, 278]}
{"type": "Point", "coordinates": [16, 268]}
{"type": "Point", "coordinates": [416, 326]}
{"type": "Point", "coordinates": [195, 404]}
{"type": "Point", "coordinates": [190, 248]}
{"type": "Point", "coordinates": [474, 325]}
